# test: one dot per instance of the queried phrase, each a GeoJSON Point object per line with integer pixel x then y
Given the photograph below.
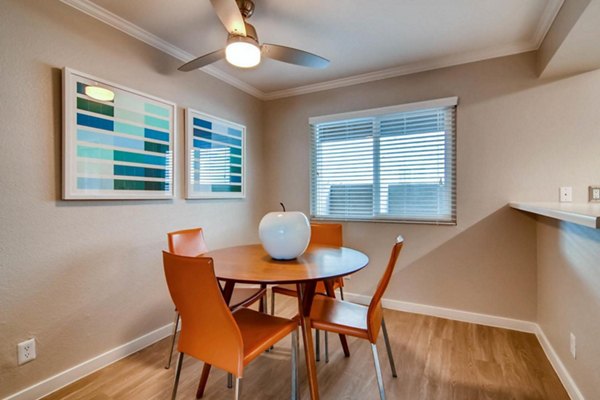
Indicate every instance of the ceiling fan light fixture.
{"type": "Point", "coordinates": [242, 51]}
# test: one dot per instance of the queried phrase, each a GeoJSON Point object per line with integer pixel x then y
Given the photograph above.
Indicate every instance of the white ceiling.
{"type": "Point", "coordinates": [364, 39]}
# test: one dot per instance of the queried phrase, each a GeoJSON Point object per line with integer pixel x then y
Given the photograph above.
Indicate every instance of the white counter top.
{"type": "Point", "coordinates": [587, 214]}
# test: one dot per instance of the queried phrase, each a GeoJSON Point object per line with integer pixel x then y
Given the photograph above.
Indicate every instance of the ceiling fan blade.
{"type": "Point", "coordinates": [203, 60]}
{"type": "Point", "coordinates": [230, 15]}
{"type": "Point", "coordinates": [293, 56]}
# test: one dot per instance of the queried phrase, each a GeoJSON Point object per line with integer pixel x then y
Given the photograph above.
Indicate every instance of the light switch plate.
{"type": "Point", "coordinates": [594, 194]}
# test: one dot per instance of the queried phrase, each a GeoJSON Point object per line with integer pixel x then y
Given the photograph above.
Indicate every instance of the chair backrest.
{"type": "Point", "coordinates": [187, 242]}
{"type": "Point", "coordinates": [326, 234]}
{"type": "Point", "coordinates": [375, 312]}
{"type": "Point", "coordinates": [208, 330]}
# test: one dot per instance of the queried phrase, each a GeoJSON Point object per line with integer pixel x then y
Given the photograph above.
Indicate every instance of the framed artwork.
{"type": "Point", "coordinates": [215, 157]}
{"type": "Point", "coordinates": [118, 143]}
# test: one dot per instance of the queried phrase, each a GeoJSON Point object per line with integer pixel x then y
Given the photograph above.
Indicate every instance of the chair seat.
{"type": "Point", "coordinates": [339, 316]}
{"type": "Point", "coordinates": [243, 297]}
{"type": "Point", "coordinates": [261, 331]}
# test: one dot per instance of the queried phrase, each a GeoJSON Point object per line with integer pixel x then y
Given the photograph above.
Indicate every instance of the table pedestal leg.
{"type": "Point", "coordinates": [227, 292]}
{"type": "Point", "coordinates": [305, 298]}
{"type": "Point", "coordinates": [203, 380]}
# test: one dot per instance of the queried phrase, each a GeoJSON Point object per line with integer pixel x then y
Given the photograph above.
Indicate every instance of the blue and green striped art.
{"type": "Point", "coordinates": [118, 149]}
{"type": "Point", "coordinates": [214, 156]}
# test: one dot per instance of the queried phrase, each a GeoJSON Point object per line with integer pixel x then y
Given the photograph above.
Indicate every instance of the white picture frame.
{"type": "Point", "coordinates": [116, 149]}
{"type": "Point", "coordinates": [215, 157]}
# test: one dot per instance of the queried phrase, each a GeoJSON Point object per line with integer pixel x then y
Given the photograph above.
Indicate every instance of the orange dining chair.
{"type": "Point", "coordinates": [338, 316]}
{"type": "Point", "coordinates": [190, 242]}
{"type": "Point", "coordinates": [325, 235]}
{"type": "Point", "coordinates": [211, 332]}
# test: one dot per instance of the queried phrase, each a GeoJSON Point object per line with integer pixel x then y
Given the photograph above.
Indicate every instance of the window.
{"type": "Point", "coordinates": [389, 164]}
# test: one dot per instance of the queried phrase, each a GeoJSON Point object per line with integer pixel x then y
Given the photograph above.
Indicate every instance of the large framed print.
{"type": "Point", "coordinates": [115, 148]}
{"type": "Point", "coordinates": [215, 157]}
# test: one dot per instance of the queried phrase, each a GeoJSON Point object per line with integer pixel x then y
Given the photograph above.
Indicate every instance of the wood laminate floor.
{"type": "Point", "coordinates": [436, 359]}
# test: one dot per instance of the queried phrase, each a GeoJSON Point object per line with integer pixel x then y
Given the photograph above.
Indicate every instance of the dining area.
{"type": "Point", "coordinates": [133, 265]}
{"type": "Point", "coordinates": [226, 321]}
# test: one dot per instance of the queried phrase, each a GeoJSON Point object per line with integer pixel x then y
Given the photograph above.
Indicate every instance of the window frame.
{"type": "Point", "coordinates": [450, 159]}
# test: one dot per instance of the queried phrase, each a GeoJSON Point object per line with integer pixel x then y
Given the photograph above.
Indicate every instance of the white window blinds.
{"type": "Point", "coordinates": [392, 164]}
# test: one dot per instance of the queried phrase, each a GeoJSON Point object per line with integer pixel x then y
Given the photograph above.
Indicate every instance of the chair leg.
{"type": "Point", "coordinates": [378, 372]}
{"type": "Point", "coordinates": [318, 345]}
{"type": "Point", "coordinates": [173, 340]}
{"type": "Point", "coordinates": [177, 373]}
{"type": "Point", "coordinates": [272, 302]}
{"type": "Point", "coordinates": [326, 347]}
{"type": "Point", "coordinates": [295, 345]}
{"type": "Point", "coordinates": [238, 388]}
{"type": "Point", "coordinates": [265, 306]}
{"type": "Point", "coordinates": [341, 293]}
{"type": "Point", "coordinates": [272, 310]}
{"type": "Point", "coordinates": [388, 347]}
{"type": "Point", "coordinates": [229, 380]}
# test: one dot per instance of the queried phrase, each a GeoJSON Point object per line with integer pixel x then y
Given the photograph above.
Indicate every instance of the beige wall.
{"type": "Point", "coordinates": [569, 297]}
{"type": "Point", "coordinates": [519, 138]}
{"type": "Point", "coordinates": [85, 277]}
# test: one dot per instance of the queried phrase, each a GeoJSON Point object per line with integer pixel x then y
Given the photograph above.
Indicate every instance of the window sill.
{"type": "Point", "coordinates": [385, 221]}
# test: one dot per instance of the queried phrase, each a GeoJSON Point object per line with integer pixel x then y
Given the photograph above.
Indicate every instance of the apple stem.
{"type": "Point", "coordinates": [282, 206]}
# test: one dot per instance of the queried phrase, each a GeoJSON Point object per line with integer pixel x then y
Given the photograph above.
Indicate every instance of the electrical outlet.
{"type": "Point", "coordinates": [347, 278]}
{"type": "Point", "coordinates": [26, 351]}
{"type": "Point", "coordinates": [573, 345]}
{"type": "Point", "coordinates": [566, 194]}
{"type": "Point", "coordinates": [595, 193]}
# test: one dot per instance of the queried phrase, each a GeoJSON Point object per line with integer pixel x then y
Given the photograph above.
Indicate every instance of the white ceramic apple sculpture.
{"type": "Point", "coordinates": [284, 235]}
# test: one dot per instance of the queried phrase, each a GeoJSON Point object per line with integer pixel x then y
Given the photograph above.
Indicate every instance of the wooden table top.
{"type": "Point", "coordinates": [251, 264]}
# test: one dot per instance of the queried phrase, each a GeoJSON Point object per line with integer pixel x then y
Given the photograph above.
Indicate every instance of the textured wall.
{"type": "Point", "coordinates": [84, 277]}
{"type": "Point", "coordinates": [519, 138]}
{"type": "Point", "coordinates": [569, 297]}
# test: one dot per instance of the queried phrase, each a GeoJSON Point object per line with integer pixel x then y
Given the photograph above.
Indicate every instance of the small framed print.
{"type": "Point", "coordinates": [118, 143]}
{"type": "Point", "coordinates": [215, 157]}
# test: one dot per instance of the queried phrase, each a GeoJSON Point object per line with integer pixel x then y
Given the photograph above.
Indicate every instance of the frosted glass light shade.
{"type": "Point", "coordinates": [244, 54]}
{"type": "Point", "coordinates": [284, 235]}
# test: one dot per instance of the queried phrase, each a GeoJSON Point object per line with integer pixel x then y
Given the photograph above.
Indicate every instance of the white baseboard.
{"type": "Point", "coordinates": [77, 372]}
{"type": "Point", "coordinates": [449, 313]}
{"type": "Point", "coordinates": [488, 320]}
{"type": "Point", "coordinates": [559, 367]}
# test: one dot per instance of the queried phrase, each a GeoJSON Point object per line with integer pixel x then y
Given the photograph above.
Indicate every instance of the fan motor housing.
{"type": "Point", "coordinates": [250, 32]}
{"type": "Point", "coordinates": [239, 38]}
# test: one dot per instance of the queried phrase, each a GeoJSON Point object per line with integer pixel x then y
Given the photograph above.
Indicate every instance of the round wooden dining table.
{"type": "Point", "coordinates": [251, 264]}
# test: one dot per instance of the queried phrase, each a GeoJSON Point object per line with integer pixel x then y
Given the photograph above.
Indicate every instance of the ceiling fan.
{"type": "Point", "coordinates": [243, 49]}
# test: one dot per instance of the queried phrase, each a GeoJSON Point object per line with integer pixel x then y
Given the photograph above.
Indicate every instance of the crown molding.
{"type": "Point", "coordinates": [546, 20]}
{"type": "Point", "coordinates": [109, 18]}
{"type": "Point", "coordinates": [235, 82]}
{"type": "Point", "coordinates": [407, 69]}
